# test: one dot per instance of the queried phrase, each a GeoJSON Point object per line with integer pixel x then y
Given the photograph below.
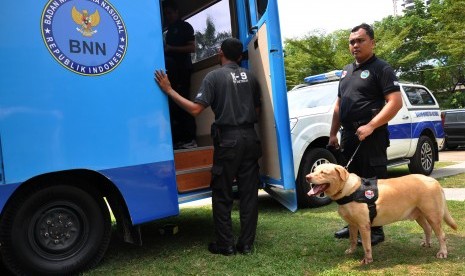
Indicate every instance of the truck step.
{"type": "Point", "coordinates": [193, 168]}
{"type": "Point", "coordinates": [398, 162]}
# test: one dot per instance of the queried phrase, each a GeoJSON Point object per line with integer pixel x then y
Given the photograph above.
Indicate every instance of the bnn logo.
{"type": "Point", "coordinates": [87, 37]}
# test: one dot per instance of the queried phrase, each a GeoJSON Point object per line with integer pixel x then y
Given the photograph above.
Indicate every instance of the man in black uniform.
{"type": "Point", "coordinates": [179, 44]}
{"type": "Point", "coordinates": [369, 96]}
{"type": "Point", "coordinates": [234, 96]}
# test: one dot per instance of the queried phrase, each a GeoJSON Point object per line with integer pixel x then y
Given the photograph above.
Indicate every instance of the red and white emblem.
{"type": "Point", "coordinates": [369, 194]}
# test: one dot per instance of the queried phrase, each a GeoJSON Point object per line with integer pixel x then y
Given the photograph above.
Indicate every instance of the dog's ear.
{"type": "Point", "coordinates": [343, 173]}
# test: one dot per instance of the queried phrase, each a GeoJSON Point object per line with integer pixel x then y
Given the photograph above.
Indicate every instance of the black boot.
{"type": "Point", "coordinates": [377, 235]}
{"type": "Point", "coordinates": [343, 233]}
{"type": "Point", "coordinates": [214, 248]}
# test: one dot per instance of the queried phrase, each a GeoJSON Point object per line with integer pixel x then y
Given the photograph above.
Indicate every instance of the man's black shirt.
{"type": "Point", "coordinates": [362, 89]}
{"type": "Point", "coordinates": [178, 34]}
{"type": "Point", "coordinates": [233, 94]}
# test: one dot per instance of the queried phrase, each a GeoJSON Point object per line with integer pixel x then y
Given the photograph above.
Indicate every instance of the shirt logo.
{"type": "Point", "coordinates": [365, 74]}
{"type": "Point", "coordinates": [242, 77]}
{"type": "Point", "coordinates": [87, 37]}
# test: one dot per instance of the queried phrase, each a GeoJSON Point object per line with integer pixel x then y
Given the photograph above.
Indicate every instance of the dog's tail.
{"type": "Point", "coordinates": [447, 217]}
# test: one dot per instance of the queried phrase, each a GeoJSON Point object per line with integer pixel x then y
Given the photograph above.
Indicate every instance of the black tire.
{"type": "Point", "coordinates": [55, 230]}
{"type": "Point", "coordinates": [310, 160]}
{"type": "Point", "coordinates": [422, 161]}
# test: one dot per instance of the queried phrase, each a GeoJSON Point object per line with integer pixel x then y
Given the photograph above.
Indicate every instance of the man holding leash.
{"type": "Point", "coordinates": [368, 97]}
{"type": "Point", "coordinates": [234, 96]}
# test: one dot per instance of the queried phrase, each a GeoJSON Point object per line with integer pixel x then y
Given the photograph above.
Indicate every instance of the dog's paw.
{"type": "Point", "coordinates": [350, 251]}
{"type": "Point", "coordinates": [366, 261]}
{"type": "Point", "coordinates": [441, 254]}
{"type": "Point", "coordinates": [425, 244]}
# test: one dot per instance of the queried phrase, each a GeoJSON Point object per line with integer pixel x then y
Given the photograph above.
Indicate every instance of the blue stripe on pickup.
{"type": "Point", "coordinates": [414, 130]}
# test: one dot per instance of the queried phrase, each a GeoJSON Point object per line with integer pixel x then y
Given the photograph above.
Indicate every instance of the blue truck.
{"type": "Point", "coordinates": [85, 131]}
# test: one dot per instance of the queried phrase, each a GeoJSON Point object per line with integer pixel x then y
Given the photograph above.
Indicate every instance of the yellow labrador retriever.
{"type": "Point", "coordinates": [413, 196]}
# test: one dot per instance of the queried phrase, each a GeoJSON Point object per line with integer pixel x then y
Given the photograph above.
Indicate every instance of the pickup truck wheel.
{"type": "Point", "coordinates": [310, 161]}
{"type": "Point", "coordinates": [55, 230]}
{"type": "Point", "coordinates": [422, 161]}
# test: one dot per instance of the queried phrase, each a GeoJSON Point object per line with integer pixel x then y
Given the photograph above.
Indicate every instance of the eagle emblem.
{"type": "Point", "coordinates": [85, 21]}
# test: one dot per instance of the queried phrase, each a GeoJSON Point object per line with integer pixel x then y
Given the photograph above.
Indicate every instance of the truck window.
{"type": "Point", "coordinates": [211, 26]}
{"type": "Point", "coordinates": [419, 96]}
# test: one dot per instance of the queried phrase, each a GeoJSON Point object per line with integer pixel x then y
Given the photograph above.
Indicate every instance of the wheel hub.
{"type": "Point", "coordinates": [426, 156]}
{"type": "Point", "coordinates": [57, 230]}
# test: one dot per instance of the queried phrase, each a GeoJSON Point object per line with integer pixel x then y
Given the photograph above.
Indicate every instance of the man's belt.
{"type": "Point", "coordinates": [355, 125]}
{"type": "Point", "coordinates": [239, 127]}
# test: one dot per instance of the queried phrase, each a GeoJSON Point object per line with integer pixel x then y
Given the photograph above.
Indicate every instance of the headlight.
{"type": "Point", "coordinates": [293, 122]}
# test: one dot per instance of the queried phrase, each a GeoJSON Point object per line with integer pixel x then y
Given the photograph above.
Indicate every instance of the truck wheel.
{"type": "Point", "coordinates": [56, 230]}
{"type": "Point", "coordinates": [422, 161]}
{"type": "Point", "coordinates": [310, 161]}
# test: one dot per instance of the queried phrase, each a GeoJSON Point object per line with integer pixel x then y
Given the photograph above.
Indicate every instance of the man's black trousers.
{"type": "Point", "coordinates": [236, 154]}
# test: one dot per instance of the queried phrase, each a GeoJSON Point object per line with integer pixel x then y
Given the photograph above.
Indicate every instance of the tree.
{"type": "Point", "coordinates": [316, 53]}
{"type": "Point", "coordinates": [208, 42]}
{"type": "Point", "coordinates": [424, 46]}
{"type": "Point", "coordinates": [449, 17]}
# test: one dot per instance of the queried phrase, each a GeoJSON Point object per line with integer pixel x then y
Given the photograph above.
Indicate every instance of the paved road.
{"type": "Point", "coordinates": [452, 155]}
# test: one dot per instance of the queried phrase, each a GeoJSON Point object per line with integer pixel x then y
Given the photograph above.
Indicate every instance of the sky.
{"type": "Point", "coordinates": [299, 17]}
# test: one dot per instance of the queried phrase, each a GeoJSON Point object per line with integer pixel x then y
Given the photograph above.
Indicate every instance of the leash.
{"type": "Point", "coordinates": [351, 158]}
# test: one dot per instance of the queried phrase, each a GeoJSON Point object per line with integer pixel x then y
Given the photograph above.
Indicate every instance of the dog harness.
{"type": "Point", "coordinates": [366, 193]}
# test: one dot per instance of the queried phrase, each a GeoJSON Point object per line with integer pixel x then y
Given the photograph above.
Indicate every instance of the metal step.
{"type": "Point", "coordinates": [398, 162]}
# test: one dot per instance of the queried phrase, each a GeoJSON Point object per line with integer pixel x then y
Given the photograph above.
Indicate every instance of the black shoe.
{"type": "Point", "coordinates": [226, 251]}
{"type": "Point", "coordinates": [343, 233]}
{"type": "Point", "coordinates": [377, 236]}
{"type": "Point", "coordinates": [244, 249]}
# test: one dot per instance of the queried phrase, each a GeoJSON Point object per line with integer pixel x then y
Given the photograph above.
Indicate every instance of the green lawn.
{"type": "Point", "coordinates": [300, 243]}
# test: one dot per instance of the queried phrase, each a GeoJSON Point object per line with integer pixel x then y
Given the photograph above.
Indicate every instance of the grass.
{"type": "Point", "coordinates": [299, 243]}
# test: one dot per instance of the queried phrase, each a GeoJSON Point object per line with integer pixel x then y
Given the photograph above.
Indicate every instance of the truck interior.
{"type": "Point", "coordinates": [213, 21]}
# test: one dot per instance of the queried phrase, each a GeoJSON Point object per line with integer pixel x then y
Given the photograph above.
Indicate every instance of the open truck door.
{"type": "Point", "coordinates": [260, 31]}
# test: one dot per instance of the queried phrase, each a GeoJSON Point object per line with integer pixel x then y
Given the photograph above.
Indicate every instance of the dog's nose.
{"type": "Point", "coordinates": [308, 178]}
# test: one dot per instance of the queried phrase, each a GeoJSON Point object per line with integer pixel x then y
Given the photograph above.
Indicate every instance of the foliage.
{"type": "Point", "coordinates": [208, 42]}
{"type": "Point", "coordinates": [312, 54]}
{"type": "Point", "coordinates": [425, 45]}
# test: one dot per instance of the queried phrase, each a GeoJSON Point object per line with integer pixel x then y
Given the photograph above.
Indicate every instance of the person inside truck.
{"type": "Point", "coordinates": [233, 93]}
{"type": "Point", "coordinates": [179, 44]}
{"type": "Point", "coordinates": [368, 97]}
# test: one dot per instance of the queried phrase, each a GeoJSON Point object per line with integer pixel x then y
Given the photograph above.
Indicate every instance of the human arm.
{"type": "Point", "coordinates": [162, 79]}
{"type": "Point", "coordinates": [390, 109]}
{"type": "Point", "coordinates": [185, 49]}
{"type": "Point", "coordinates": [335, 126]}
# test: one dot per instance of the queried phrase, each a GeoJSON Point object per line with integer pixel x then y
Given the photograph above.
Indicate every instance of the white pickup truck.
{"type": "Point", "coordinates": [415, 132]}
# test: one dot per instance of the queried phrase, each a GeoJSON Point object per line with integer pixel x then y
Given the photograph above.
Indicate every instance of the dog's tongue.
{"type": "Point", "coordinates": [317, 189]}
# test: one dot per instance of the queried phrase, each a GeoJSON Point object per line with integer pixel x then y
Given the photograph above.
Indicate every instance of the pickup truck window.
{"type": "Point", "coordinates": [418, 96]}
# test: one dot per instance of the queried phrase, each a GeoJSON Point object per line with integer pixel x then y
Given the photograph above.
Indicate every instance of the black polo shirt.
{"type": "Point", "coordinates": [362, 89]}
{"type": "Point", "coordinates": [233, 94]}
{"type": "Point", "coordinates": [178, 34]}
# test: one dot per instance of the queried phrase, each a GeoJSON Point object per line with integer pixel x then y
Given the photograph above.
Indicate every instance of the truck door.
{"type": "Point", "coordinates": [400, 133]}
{"type": "Point", "coordinates": [259, 29]}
